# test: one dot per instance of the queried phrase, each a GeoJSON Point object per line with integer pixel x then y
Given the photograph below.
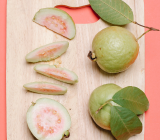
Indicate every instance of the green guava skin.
{"type": "Point", "coordinates": [115, 49]}
{"type": "Point", "coordinates": [98, 97]}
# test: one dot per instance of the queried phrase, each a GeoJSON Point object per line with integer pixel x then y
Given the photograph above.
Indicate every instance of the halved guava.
{"type": "Point", "coordinates": [56, 20]}
{"type": "Point", "coordinates": [60, 74]}
{"type": "Point", "coordinates": [48, 120]}
{"type": "Point", "coordinates": [45, 88]}
{"type": "Point", "coordinates": [47, 52]}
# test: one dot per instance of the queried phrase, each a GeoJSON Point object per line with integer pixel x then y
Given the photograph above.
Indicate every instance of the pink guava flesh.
{"type": "Point", "coordinates": [56, 24]}
{"type": "Point", "coordinates": [45, 88]}
{"type": "Point", "coordinates": [56, 20]}
{"type": "Point", "coordinates": [47, 52]}
{"type": "Point", "coordinates": [60, 74]}
{"type": "Point", "coordinates": [48, 120]}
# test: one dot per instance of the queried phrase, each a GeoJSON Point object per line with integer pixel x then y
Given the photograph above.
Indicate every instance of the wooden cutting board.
{"type": "Point", "coordinates": [23, 35]}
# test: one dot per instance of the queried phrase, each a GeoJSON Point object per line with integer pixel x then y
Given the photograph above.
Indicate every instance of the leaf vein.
{"type": "Point", "coordinates": [124, 124]}
{"type": "Point", "coordinates": [130, 100]}
{"type": "Point", "coordinates": [116, 10]}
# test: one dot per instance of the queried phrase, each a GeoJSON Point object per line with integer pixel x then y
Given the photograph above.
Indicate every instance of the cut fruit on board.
{"type": "Point", "coordinates": [47, 52]}
{"type": "Point", "coordinates": [48, 120]}
{"type": "Point", "coordinates": [56, 20]}
{"type": "Point", "coordinates": [60, 74]}
{"type": "Point", "coordinates": [45, 88]}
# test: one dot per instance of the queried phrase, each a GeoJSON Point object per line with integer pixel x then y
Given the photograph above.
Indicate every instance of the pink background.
{"type": "Point", "coordinates": [152, 67]}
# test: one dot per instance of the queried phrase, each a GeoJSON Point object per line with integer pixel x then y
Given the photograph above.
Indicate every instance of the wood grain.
{"type": "Point", "coordinates": [23, 36]}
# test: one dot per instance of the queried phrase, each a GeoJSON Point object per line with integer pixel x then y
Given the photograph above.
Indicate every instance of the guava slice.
{"type": "Point", "coordinates": [48, 120]}
{"type": "Point", "coordinates": [60, 74]}
{"type": "Point", "coordinates": [47, 52]}
{"type": "Point", "coordinates": [56, 20]}
{"type": "Point", "coordinates": [45, 88]}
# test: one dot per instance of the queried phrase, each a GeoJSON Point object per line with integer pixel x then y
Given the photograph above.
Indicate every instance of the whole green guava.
{"type": "Point", "coordinates": [115, 49]}
{"type": "Point", "coordinates": [98, 97]}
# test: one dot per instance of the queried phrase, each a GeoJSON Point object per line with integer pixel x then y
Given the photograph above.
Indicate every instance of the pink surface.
{"type": "Point", "coordinates": [80, 15]}
{"type": "Point", "coordinates": [152, 14]}
{"type": "Point", "coordinates": [152, 67]}
{"type": "Point", "coordinates": [2, 70]}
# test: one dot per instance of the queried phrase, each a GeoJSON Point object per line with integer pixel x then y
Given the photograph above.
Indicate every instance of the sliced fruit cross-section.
{"type": "Point", "coordinates": [60, 74]}
{"type": "Point", "coordinates": [48, 120]}
{"type": "Point", "coordinates": [45, 88]}
{"type": "Point", "coordinates": [56, 20]}
{"type": "Point", "coordinates": [47, 52]}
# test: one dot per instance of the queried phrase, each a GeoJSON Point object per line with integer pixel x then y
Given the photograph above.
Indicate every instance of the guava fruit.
{"type": "Point", "coordinates": [45, 88]}
{"type": "Point", "coordinates": [60, 74]}
{"type": "Point", "coordinates": [98, 97]}
{"type": "Point", "coordinates": [47, 52]}
{"type": "Point", "coordinates": [56, 20]}
{"type": "Point", "coordinates": [114, 49]}
{"type": "Point", "coordinates": [48, 120]}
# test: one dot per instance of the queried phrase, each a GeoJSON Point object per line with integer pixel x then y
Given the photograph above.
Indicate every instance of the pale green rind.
{"type": "Point", "coordinates": [32, 87]}
{"type": "Point", "coordinates": [40, 68]}
{"type": "Point", "coordinates": [115, 12]}
{"type": "Point", "coordinates": [124, 123]}
{"type": "Point", "coordinates": [49, 102]}
{"type": "Point", "coordinates": [33, 57]}
{"type": "Point", "coordinates": [98, 97]}
{"type": "Point", "coordinates": [132, 98]}
{"type": "Point", "coordinates": [58, 12]}
{"type": "Point", "coordinates": [115, 48]}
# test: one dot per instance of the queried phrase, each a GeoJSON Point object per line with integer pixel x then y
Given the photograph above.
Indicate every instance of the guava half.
{"type": "Point", "coordinates": [48, 120]}
{"type": "Point", "coordinates": [56, 20]}
{"type": "Point", "coordinates": [47, 52]}
{"type": "Point", "coordinates": [114, 49]}
{"type": "Point", "coordinates": [45, 88]}
{"type": "Point", "coordinates": [60, 74]}
{"type": "Point", "coordinates": [98, 97]}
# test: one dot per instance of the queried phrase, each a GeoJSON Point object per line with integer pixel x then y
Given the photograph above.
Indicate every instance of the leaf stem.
{"type": "Point", "coordinates": [151, 28]}
{"type": "Point", "coordinates": [143, 34]}
{"type": "Point", "coordinates": [107, 102]}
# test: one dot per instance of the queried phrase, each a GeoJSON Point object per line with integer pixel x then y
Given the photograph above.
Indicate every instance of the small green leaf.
{"type": "Point", "coordinates": [115, 12]}
{"type": "Point", "coordinates": [132, 98]}
{"type": "Point", "coordinates": [124, 123]}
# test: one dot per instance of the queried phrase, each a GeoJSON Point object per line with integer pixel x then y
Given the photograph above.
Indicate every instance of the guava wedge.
{"type": "Point", "coordinates": [60, 74]}
{"type": "Point", "coordinates": [47, 119]}
{"type": "Point", "coordinates": [47, 52]}
{"type": "Point", "coordinates": [45, 88]}
{"type": "Point", "coordinates": [56, 20]}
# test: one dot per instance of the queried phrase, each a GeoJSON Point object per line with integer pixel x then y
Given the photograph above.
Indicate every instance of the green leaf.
{"type": "Point", "coordinates": [132, 98]}
{"type": "Point", "coordinates": [124, 123]}
{"type": "Point", "coordinates": [115, 12]}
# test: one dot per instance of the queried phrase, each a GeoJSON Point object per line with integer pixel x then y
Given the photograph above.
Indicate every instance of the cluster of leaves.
{"type": "Point", "coordinates": [124, 120]}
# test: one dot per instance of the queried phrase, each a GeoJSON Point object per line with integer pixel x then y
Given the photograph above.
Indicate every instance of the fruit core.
{"type": "Point", "coordinates": [58, 74]}
{"type": "Point", "coordinates": [57, 24]}
{"type": "Point", "coordinates": [47, 88]}
{"type": "Point", "coordinates": [48, 121]}
{"type": "Point", "coordinates": [49, 51]}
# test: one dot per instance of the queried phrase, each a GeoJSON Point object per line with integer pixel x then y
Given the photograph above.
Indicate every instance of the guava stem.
{"type": "Point", "coordinates": [92, 56]}
{"type": "Point", "coordinates": [143, 34]}
{"type": "Point", "coordinates": [107, 102]}
{"type": "Point", "coordinates": [33, 103]}
{"type": "Point", "coordinates": [66, 134]}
